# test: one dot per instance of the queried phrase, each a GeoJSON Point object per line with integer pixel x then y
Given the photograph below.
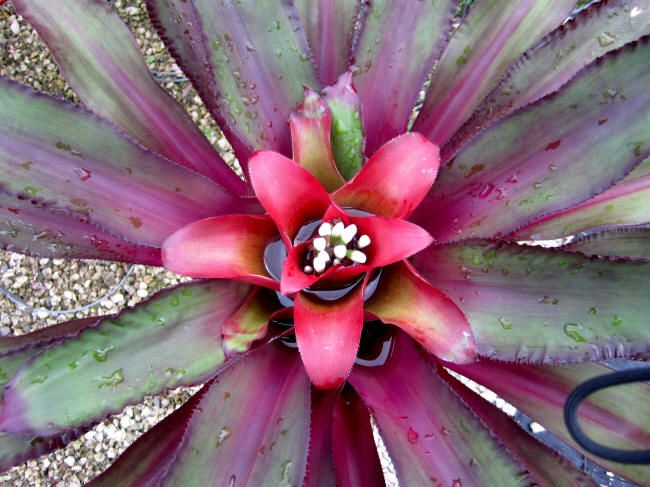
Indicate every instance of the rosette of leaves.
{"type": "Point", "coordinates": [368, 250]}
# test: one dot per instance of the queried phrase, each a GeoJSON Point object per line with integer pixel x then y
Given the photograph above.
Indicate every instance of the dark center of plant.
{"type": "Point", "coordinates": [375, 346]}
{"type": "Point", "coordinates": [332, 244]}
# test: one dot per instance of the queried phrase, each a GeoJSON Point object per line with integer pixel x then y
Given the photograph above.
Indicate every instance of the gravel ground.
{"type": "Point", "coordinates": [60, 284]}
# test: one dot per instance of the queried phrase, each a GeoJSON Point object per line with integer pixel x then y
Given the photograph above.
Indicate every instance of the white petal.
{"type": "Point", "coordinates": [325, 229]}
{"type": "Point", "coordinates": [319, 265]}
{"type": "Point", "coordinates": [348, 234]}
{"type": "Point", "coordinates": [337, 229]}
{"type": "Point", "coordinates": [324, 256]}
{"type": "Point", "coordinates": [363, 242]}
{"type": "Point", "coordinates": [340, 251]}
{"type": "Point", "coordinates": [320, 244]}
{"type": "Point", "coordinates": [357, 256]}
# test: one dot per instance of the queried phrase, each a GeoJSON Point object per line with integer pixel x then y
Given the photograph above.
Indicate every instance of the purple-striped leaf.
{"type": "Point", "coordinates": [616, 417]}
{"type": "Point", "coordinates": [147, 460]}
{"type": "Point", "coordinates": [397, 47]}
{"type": "Point", "coordinates": [16, 449]}
{"type": "Point", "coordinates": [31, 228]}
{"type": "Point", "coordinates": [625, 203]}
{"type": "Point", "coordinates": [535, 161]}
{"type": "Point", "coordinates": [16, 351]}
{"type": "Point", "coordinates": [430, 435]}
{"type": "Point", "coordinates": [545, 465]}
{"type": "Point", "coordinates": [45, 336]}
{"type": "Point", "coordinates": [251, 427]}
{"type": "Point", "coordinates": [622, 241]}
{"type": "Point", "coordinates": [329, 25]}
{"type": "Point", "coordinates": [67, 161]}
{"type": "Point", "coordinates": [536, 305]}
{"type": "Point", "coordinates": [355, 454]}
{"type": "Point", "coordinates": [103, 64]}
{"type": "Point", "coordinates": [258, 61]}
{"type": "Point", "coordinates": [171, 340]}
{"type": "Point", "coordinates": [492, 36]}
{"type": "Point", "coordinates": [320, 461]}
{"type": "Point", "coordinates": [596, 30]}
{"type": "Point", "coordinates": [178, 24]}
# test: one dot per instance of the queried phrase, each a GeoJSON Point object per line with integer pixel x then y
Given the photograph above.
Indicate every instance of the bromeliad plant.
{"type": "Point", "coordinates": [357, 263]}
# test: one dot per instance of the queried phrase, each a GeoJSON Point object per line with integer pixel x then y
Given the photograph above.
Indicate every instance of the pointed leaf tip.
{"type": "Point", "coordinates": [290, 193]}
{"type": "Point", "coordinates": [230, 246]}
{"type": "Point", "coordinates": [310, 136]}
{"type": "Point", "coordinates": [395, 179]}
{"type": "Point", "coordinates": [405, 299]}
{"type": "Point", "coordinates": [328, 335]}
{"type": "Point", "coordinates": [347, 136]}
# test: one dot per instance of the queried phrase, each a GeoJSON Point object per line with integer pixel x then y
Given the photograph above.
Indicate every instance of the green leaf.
{"type": "Point", "coordinates": [536, 305]}
{"type": "Point", "coordinates": [174, 339]}
{"type": "Point", "coordinates": [347, 136]}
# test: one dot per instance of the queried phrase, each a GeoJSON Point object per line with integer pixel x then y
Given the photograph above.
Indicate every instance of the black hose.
{"type": "Point", "coordinates": [587, 388]}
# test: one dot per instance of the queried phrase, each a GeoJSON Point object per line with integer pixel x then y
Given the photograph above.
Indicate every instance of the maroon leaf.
{"type": "Point", "coordinates": [68, 161]}
{"type": "Point", "coordinates": [320, 463]}
{"type": "Point", "coordinates": [257, 61]}
{"type": "Point", "coordinates": [31, 228]}
{"type": "Point", "coordinates": [398, 45]}
{"type": "Point", "coordinates": [534, 161]}
{"type": "Point", "coordinates": [429, 434]}
{"type": "Point", "coordinates": [329, 25]}
{"type": "Point", "coordinates": [102, 62]}
{"type": "Point", "coordinates": [355, 454]}
{"type": "Point", "coordinates": [545, 465]}
{"type": "Point", "coordinates": [493, 35]}
{"type": "Point", "coordinates": [616, 417]}
{"type": "Point", "coordinates": [249, 427]}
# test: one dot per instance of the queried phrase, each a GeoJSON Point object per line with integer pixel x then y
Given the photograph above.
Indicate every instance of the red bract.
{"type": "Point", "coordinates": [328, 333]}
{"type": "Point", "coordinates": [353, 255]}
